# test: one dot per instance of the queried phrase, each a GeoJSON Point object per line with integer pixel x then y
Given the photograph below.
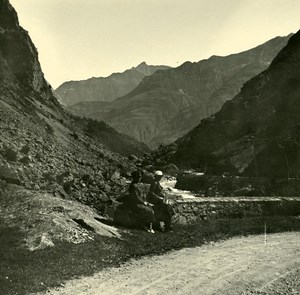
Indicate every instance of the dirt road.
{"type": "Point", "coordinates": [243, 265]}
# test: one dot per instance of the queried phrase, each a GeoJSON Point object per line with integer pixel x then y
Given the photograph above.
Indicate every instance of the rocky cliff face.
{"type": "Point", "coordinates": [104, 89]}
{"type": "Point", "coordinates": [45, 151]}
{"type": "Point", "coordinates": [168, 104]}
{"type": "Point", "coordinates": [19, 65]}
{"type": "Point", "coordinates": [22, 81]}
{"type": "Point", "coordinates": [256, 133]}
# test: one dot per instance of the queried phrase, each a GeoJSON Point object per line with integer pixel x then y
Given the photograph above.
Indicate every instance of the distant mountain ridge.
{"type": "Point", "coordinates": [255, 134]}
{"type": "Point", "coordinates": [168, 104]}
{"type": "Point", "coordinates": [105, 88]}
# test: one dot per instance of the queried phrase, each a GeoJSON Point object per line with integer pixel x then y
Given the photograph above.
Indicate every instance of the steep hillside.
{"type": "Point", "coordinates": [257, 133]}
{"type": "Point", "coordinates": [111, 139]}
{"type": "Point", "coordinates": [45, 152]}
{"type": "Point", "coordinates": [104, 89]}
{"type": "Point", "coordinates": [168, 104]}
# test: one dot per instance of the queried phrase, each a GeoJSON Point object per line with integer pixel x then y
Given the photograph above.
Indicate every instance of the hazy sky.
{"type": "Point", "coordinates": [79, 39]}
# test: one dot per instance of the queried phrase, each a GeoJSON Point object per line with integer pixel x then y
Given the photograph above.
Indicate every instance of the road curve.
{"type": "Point", "coordinates": [241, 265]}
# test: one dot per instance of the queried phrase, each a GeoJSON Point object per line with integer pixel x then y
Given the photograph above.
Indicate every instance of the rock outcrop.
{"type": "Point", "coordinates": [256, 133]}
{"type": "Point", "coordinates": [104, 89]}
{"type": "Point", "coordinates": [19, 65]}
{"type": "Point", "coordinates": [46, 219]}
{"type": "Point", "coordinates": [168, 104]}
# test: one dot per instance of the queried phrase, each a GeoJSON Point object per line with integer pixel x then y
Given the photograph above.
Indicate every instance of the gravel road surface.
{"type": "Point", "coordinates": [241, 265]}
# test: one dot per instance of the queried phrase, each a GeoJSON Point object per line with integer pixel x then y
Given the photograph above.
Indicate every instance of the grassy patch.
{"type": "Point", "coordinates": [22, 272]}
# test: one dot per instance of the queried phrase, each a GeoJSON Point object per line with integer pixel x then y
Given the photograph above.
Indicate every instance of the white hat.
{"type": "Point", "coordinates": [158, 173]}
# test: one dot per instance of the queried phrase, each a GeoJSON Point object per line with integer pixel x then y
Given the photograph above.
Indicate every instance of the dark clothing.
{"type": "Point", "coordinates": [155, 195]}
{"type": "Point", "coordinates": [136, 195]}
{"type": "Point", "coordinates": [135, 203]}
{"type": "Point", "coordinates": [162, 211]}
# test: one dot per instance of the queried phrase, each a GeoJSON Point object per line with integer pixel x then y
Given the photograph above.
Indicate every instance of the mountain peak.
{"type": "Point", "coordinates": [143, 65]}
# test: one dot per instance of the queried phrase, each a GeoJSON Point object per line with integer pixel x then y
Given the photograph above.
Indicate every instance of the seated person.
{"type": "Point", "coordinates": [162, 210]}
{"type": "Point", "coordinates": [134, 202]}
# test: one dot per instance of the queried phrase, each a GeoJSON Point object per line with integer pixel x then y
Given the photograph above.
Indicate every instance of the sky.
{"type": "Point", "coordinates": [80, 39]}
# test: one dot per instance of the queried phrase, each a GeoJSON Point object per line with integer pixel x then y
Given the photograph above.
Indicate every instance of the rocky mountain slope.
{"type": "Point", "coordinates": [256, 133]}
{"type": "Point", "coordinates": [104, 89]}
{"type": "Point", "coordinates": [45, 152]}
{"type": "Point", "coordinates": [168, 104]}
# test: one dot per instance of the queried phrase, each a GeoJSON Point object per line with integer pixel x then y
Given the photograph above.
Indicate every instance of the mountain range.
{"type": "Point", "coordinates": [169, 103]}
{"type": "Point", "coordinates": [104, 89]}
{"type": "Point", "coordinates": [255, 134]}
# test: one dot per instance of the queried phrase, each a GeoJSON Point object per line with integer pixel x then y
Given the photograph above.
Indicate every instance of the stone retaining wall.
{"type": "Point", "coordinates": [198, 209]}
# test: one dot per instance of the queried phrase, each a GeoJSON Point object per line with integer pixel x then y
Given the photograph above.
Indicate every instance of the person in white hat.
{"type": "Point", "coordinates": [158, 173]}
{"type": "Point", "coordinates": [162, 211]}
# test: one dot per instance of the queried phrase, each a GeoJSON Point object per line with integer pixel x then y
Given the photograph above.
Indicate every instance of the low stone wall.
{"type": "Point", "coordinates": [198, 209]}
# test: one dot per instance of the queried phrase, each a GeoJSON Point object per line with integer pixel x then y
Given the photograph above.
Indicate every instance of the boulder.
{"type": "Point", "coordinates": [26, 160]}
{"type": "Point", "coordinates": [170, 169]}
{"type": "Point", "coordinates": [103, 197]}
{"type": "Point", "coordinates": [133, 158]}
{"type": "Point", "coordinates": [25, 149]}
{"type": "Point", "coordinates": [9, 174]}
{"type": "Point", "coordinates": [123, 217]}
{"type": "Point", "coordinates": [10, 154]}
{"type": "Point", "coordinates": [39, 242]}
{"type": "Point", "coordinates": [113, 174]}
{"type": "Point", "coordinates": [75, 135]}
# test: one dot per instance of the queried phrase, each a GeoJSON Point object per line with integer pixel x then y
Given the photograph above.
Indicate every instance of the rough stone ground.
{"type": "Point", "coordinates": [242, 265]}
{"type": "Point", "coordinates": [45, 218]}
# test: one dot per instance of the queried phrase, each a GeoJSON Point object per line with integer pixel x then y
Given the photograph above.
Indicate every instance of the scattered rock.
{"type": "Point", "coordinates": [25, 149]}
{"type": "Point", "coordinates": [133, 158]}
{"type": "Point", "coordinates": [103, 197]}
{"type": "Point", "coordinates": [87, 178]}
{"type": "Point", "coordinates": [26, 160]}
{"type": "Point", "coordinates": [107, 188]}
{"type": "Point", "coordinates": [49, 177]}
{"type": "Point", "coordinates": [75, 135]}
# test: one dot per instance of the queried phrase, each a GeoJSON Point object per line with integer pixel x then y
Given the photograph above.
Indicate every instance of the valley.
{"type": "Point", "coordinates": [222, 136]}
{"type": "Point", "coordinates": [168, 104]}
